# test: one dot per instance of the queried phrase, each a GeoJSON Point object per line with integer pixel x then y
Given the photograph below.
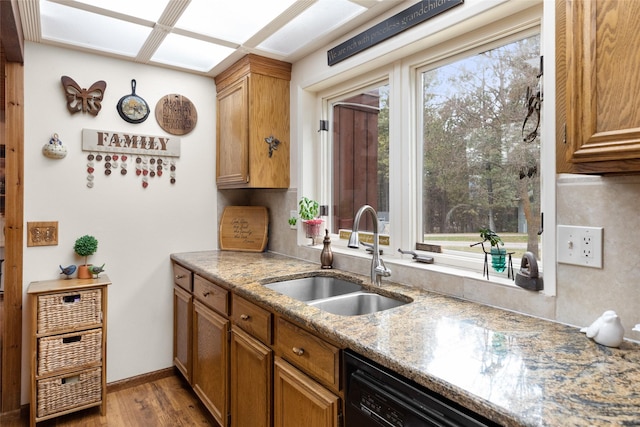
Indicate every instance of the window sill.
{"type": "Point", "coordinates": [470, 267]}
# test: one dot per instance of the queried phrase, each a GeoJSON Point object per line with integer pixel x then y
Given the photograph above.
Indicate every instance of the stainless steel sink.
{"type": "Point", "coordinates": [313, 288]}
{"type": "Point", "coordinates": [357, 303]}
{"type": "Point", "coordinates": [335, 295]}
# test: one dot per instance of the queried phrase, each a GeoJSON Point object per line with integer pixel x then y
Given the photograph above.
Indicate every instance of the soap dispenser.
{"type": "Point", "coordinates": [326, 256]}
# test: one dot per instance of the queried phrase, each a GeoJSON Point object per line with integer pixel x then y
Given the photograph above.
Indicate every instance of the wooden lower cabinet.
{"type": "Point", "coordinates": [251, 376]}
{"type": "Point", "coordinates": [249, 366]}
{"type": "Point", "coordinates": [211, 360]}
{"type": "Point", "coordinates": [300, 401]}
{"type": "Point", "coordinates": [182, 343]}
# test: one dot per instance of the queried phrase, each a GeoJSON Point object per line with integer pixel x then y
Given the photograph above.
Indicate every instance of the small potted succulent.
{"type": "Point", "coordinates": [308, 210]}
{"type": "Point", "coordinates": [85, 246]}
{"type": "Point", "coordinates": [498, 255]}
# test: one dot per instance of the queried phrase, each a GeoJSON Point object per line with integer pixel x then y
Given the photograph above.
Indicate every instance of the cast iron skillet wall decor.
{"type": "Point", "coordinates": [132, 108]}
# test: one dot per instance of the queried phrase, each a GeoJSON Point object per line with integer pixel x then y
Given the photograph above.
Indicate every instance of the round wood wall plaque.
{"type": "Point", "coordinates": [176, 114]}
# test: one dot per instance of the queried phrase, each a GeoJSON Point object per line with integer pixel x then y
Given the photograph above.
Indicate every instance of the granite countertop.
{"type": "Point", "coordinates": [514, 369]}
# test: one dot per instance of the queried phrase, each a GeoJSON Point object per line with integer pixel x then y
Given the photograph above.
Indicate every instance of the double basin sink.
{"type": "Point", "coordinates": [335, 295]}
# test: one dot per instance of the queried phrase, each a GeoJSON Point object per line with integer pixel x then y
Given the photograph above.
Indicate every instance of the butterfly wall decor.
{"type": "Point", "coordinates": [85, 100]}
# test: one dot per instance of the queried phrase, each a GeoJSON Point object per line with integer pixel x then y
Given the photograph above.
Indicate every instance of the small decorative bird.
{"type": "Point", "coordinates": [606, 330]}
{"type": "Point", "coordinates": [95, 270]}
{"type": "Point", "coordinates": [69, 270]}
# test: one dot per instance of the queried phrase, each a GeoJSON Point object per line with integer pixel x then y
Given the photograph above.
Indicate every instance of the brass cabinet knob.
{"type": "Point", "coordinates": [298, 351]}
{"type": "Point", "coordinates": [245, 317]}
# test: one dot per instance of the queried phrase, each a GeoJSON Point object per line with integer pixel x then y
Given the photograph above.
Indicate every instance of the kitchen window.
{"type": "Point", "coordinates": [360, 156]}
{"type": "Point", "coordinates": [454, 152]}
{"type": "Point", "coordinates": [480, 149]}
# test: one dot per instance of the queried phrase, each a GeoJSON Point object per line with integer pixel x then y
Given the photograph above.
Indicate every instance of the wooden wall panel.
{"type": "Point", "coordinates": [14, 164]}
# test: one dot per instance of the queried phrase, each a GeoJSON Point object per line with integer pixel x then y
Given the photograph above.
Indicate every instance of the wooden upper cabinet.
{"type": "Point", "coordinates": [253, 109]}
{"type": "Point", "coordinates": [598, 70]}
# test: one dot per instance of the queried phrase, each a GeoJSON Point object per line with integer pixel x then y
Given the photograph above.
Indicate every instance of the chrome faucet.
{"type": "Point", "coordinates": [378, 269]}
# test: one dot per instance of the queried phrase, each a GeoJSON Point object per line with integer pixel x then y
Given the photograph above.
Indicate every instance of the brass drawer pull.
{"type": "Point", "coordinates": [245, 317]}
{"type": "Point", "coordinates": [180, 276]}
{"type": "Point", "coordinates": [298, 351]}
{"type": "Point", "coordinates": [206, 294]}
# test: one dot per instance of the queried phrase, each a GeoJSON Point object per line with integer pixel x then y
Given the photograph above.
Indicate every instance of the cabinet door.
{"type": "Point", "coordinates": [182, 343]}
{"type": "Point", "coordinates": [300, 401]}
{"type": "Point", "coordinates": [602, 85]}
{"type": "Point", "coordinates": [251, 372]}
{"type": "Point", "coordinates": [211, 360]}
{"type": "Point", "coordinates": [233, 135]}
{"type": "Point", "coordinates": [268, 118]}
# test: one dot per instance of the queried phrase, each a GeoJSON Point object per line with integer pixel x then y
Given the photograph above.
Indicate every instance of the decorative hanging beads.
{"type": "Point", "coordinates": [145, 167]}
{"type": "Point", "coordinates": [90, 170]}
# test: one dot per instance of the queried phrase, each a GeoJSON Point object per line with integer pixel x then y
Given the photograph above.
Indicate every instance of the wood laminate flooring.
{"type": "Point", "coordinates": [167, 401]}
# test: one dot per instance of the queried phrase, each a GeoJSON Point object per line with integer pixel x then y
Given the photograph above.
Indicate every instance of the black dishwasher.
{"type": "Point", "coordinates": [376, 396]}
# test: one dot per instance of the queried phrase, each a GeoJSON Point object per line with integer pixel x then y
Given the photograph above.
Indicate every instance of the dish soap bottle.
{"type": "Point", "coordinates": [326, 256]}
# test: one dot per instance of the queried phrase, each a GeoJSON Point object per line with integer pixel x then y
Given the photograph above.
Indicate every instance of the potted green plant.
{"type": "Point", "coordinates": [85, 246]}
{"type": "Point", "coordinates": [308, 210]}
{"type": "Point", "coordinates": [498, 255]}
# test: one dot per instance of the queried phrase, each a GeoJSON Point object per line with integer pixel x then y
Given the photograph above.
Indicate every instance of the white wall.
{"type": "Point", "coordinates": [137, 228]}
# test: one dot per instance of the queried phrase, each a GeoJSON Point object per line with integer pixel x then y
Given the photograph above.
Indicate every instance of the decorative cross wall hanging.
{"type": "Point", "coordinates": [85, 100]}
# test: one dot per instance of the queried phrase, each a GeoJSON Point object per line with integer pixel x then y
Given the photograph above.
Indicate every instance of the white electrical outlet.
{"type": "Point", "coordinates": [580, 245]}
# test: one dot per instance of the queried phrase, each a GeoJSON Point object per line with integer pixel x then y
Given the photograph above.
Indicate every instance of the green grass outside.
{"type": "Point", "coordinates": [513, 242]}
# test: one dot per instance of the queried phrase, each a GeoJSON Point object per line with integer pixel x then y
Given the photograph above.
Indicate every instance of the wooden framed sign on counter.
{"type": "Point", "coordinates": [244, 228]}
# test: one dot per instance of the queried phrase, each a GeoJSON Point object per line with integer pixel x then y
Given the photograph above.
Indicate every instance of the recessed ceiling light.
{"type": "Point", "coordinates": [186, 52]}
{"type": "Point", "coordinates": [319, 19]}
{"type": "Point", "coordinates": [148, 10]}
{"type": "Point", "coordinates": [235, 21]}
{"type": "Point", "coordinates": [89, 30]}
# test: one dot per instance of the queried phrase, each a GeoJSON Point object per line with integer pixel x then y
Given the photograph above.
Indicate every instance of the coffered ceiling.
{"type": "Point", "coordinates": [197, 36]}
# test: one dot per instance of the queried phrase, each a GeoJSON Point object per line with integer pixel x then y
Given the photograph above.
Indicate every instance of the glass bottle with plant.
{"type": "Point", "coordinates": [498, 254]}
{"type": "Point", "coordinates": [308, 210]}
{"type": "Point", "coordinates": [85, 246]}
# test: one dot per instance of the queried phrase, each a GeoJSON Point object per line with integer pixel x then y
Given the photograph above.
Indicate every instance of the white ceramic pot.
{"type": "Point", "coordinates": [54, 149]}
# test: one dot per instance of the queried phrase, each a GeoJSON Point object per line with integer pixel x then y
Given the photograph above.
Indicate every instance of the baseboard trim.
{"type": "Point", "coordinates": [23, 412]}
{"type": "Point", "coordinates": [140, 379]}
{"type": "Point", "coordinates": [17, 415]}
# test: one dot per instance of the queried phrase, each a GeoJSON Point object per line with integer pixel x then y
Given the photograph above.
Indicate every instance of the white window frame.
{"type": "Point", "coordinates": [403, 78]}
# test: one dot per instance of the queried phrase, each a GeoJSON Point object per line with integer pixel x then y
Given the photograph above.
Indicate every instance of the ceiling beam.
{"type": "Point", "coordinates": [11, 31]}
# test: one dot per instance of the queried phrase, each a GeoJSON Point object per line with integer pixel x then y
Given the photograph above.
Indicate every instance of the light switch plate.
{"type": "Point", "coordinates": [580, 245]}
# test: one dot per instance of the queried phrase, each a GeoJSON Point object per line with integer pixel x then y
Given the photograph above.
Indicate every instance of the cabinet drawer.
{"type": "Point", "coordinates": [64, 392]}
{"type": "Point", "coordinates": [251, 318]}
{"type": "Point", "coordinates": [211, 295]}
{"type": "Point", "coordinates": [68, 351]}
{"type": "Point", "coordinates": [182, 277]}
{"type": "Point", "coordinates": [69, 310]}
{"type": "Point", "coordinates": [311, 354]}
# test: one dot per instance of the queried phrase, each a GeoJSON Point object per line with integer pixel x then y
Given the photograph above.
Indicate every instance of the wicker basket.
{"type": "Point", "coordinates": [69, 310]}
{"type": "Point", "coordinates": [69, 350]}
{"type": "Point", "coordinates": [65, 392]}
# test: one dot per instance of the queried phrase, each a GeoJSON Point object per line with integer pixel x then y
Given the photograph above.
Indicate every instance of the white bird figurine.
{"type": "Point", "coordinates": [606, 329]}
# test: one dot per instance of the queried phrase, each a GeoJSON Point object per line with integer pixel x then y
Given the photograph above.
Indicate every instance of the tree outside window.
{"type": "Point", "coordinates": [479, 169]}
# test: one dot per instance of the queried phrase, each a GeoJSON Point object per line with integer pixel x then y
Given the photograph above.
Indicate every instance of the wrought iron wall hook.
{"type": "Point", "coordinates": [534, 102]}
{"type": "Point", "coordinates": [273, 144]}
